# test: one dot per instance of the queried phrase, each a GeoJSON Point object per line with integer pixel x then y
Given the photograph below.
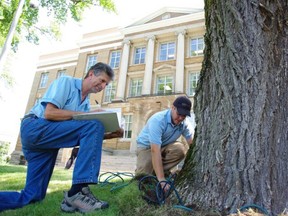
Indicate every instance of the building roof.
{"type": "Point", "coordinates": [165, 13]}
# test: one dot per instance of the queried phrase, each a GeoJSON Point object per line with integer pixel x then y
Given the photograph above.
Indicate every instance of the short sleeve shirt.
{"type": "Point", "coordinates": [65, 93]}
{"type": "Point", "coordinates": [161, 131]}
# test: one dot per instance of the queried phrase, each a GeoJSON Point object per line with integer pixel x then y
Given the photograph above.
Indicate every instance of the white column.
{"type": "Point", "coordinates": [149, 58]}
{"type": "Point", "coordinates": [137, 126]}
{"type": "Point", "coordinates": [123, 71]}
{"type": "Point", "coordinates": [179, 78]}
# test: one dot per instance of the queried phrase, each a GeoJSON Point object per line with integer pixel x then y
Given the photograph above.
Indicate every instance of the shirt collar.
{"type": "Point", "coordinates": [169, 117]}
{"type": "Point", "coordinates": [78, 84]}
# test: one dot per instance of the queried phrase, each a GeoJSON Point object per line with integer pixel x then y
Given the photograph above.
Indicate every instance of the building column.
{"type": "Point", "coordinates": [179, 78]}
{"type": "Point", "coordinates": [137, 126]}
{"type": "Point", "coordinates": [149, 59]}
{"type": "Point", "coordinates": [121, 84]}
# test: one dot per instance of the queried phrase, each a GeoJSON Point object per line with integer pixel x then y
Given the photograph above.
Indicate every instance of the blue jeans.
{"type": "Point", "coordinates": [41, 139]}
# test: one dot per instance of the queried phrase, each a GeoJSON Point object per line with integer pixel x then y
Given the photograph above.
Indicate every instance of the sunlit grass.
{"type": "Point", "coordinates": [13, 178]}
{"type": "Point", "coordinates": [126, 201]}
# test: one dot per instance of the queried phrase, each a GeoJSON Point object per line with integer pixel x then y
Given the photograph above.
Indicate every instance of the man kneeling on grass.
{"type": "Point", "coordinates": [158, 148]}
{"type": "Point", "coordinates": [48, 127]}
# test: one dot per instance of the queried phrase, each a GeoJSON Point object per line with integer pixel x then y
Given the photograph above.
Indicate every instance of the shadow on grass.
{"type": "Point", "coordinates": [125, 201]}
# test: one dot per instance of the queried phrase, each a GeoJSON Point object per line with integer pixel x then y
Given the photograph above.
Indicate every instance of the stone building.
{"type": "Point", "coordinates": [155, 60]}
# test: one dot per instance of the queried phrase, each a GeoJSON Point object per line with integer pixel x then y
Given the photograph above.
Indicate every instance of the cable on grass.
{"type": "Point", "coordinates": [155, 192]}
{"type": "Point", "coordinates": [113, 178]}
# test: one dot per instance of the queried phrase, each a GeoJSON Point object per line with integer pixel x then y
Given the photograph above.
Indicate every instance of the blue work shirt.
{"type": "Point", "coordinates": [160, 130]}
{"type": "Point", "coordinates": [65, 93]}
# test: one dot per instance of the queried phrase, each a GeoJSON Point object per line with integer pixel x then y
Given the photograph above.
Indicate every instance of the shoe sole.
{"type": "Point", "coordinates": [67, 208]}
{"type": "Point", "coordinates": [70, 209]}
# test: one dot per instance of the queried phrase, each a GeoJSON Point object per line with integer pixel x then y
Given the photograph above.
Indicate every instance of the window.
{"type": "Point", "coordinates": [135, 87]}
{"type": "Point", "coordinates": [196, 46]}
{"type": "Point", "coordinates": [167, 51]}
{"type": "Point", "coordinates": [139, 57]}
{"type": "Point", "coordinates": [61, 73]}
{"type": "Point", "coordinates": [92, 60]}
{"type": "Point", "coordinates": [166, 16]}
{"type": "Point", "coordinates": [115, 59]}
{"type": "Point", "coordinates": [43, 81]}
{"type": "Point", "coordinates": [127, 127]}
{"type": "Point", "coordinates": [110, 91]}
{"type": "Point", "coordinates": [193, 79]}
{"type": "Point", "coordinates": [164, 85]}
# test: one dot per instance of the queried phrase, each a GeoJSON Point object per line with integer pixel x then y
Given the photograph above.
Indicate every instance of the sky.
{"type": "Point", "coordinates": [23, 66]}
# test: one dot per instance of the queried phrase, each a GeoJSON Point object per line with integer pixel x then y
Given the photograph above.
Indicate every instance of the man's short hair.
{"type": "Point", "coordinates": [99, 68]}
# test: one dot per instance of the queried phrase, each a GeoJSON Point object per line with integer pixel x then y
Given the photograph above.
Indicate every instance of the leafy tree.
{"type": "Point", "coordinates": [4, 148]}
{"type": "Point", "coordinates": [239, 155]}
{"type": "Point", "coordinates": [23, 16]}
{"type": "Point", "coordinates": [57, 10]}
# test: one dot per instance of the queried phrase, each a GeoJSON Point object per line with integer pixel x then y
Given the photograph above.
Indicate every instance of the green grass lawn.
{"type": "Point", "coordinates": [13, 178]}
{"type": "Point", "coordinates": [123, 201]}
{"type": "Point", "coordinates": [126, 201]}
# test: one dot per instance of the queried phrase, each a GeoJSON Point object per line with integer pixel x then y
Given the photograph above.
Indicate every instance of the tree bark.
{"type": "Point", "coordinates": [240, 152]}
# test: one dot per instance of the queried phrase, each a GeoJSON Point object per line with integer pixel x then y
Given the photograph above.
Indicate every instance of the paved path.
{"type": "Point", "coordinates": [118, 163]}
{"type": "Point", "coordinates": [115, 162]}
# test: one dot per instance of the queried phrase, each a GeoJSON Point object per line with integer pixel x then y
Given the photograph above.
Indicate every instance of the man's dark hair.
{"type": "Point", "coordinates": [99, 68]}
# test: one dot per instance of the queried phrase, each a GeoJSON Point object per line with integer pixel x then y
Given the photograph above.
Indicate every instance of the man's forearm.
{"type": "Point", "coordinates": [53, 113]}
{"type": "Point", "coordinates": [157, 163]}
{"type": "Point", "coordinates": [189, 141]}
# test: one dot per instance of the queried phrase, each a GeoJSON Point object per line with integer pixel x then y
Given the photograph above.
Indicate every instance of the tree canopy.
{"type": "Point", "coordinates": [57, 12]}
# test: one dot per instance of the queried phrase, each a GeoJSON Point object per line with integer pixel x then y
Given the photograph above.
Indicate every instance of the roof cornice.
{"type": "Point", "coordinates": [165, 10]}
{"type": "Point", "coordinates": [164, 23]}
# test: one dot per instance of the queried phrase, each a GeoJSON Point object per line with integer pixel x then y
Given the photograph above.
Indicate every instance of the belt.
{"type": "Point", "coordinates": [30, 115]}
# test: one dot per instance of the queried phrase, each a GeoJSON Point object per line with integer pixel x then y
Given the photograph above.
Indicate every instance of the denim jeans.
{"type": "Point", "coordinates": [41, 139]}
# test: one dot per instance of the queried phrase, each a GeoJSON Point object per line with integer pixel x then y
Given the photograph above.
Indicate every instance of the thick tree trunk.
{"type": "Point", "coordinates": [240, 153]}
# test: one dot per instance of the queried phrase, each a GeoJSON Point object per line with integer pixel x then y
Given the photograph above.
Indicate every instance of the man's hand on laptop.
{"type": "Point", "coordinates": [116, 134]}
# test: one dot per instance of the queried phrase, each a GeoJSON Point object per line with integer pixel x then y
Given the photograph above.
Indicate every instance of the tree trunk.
{"type": "Point", "coordinates": [8, 41]}
{"type": "Point", "coordinates": [240, 152]}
